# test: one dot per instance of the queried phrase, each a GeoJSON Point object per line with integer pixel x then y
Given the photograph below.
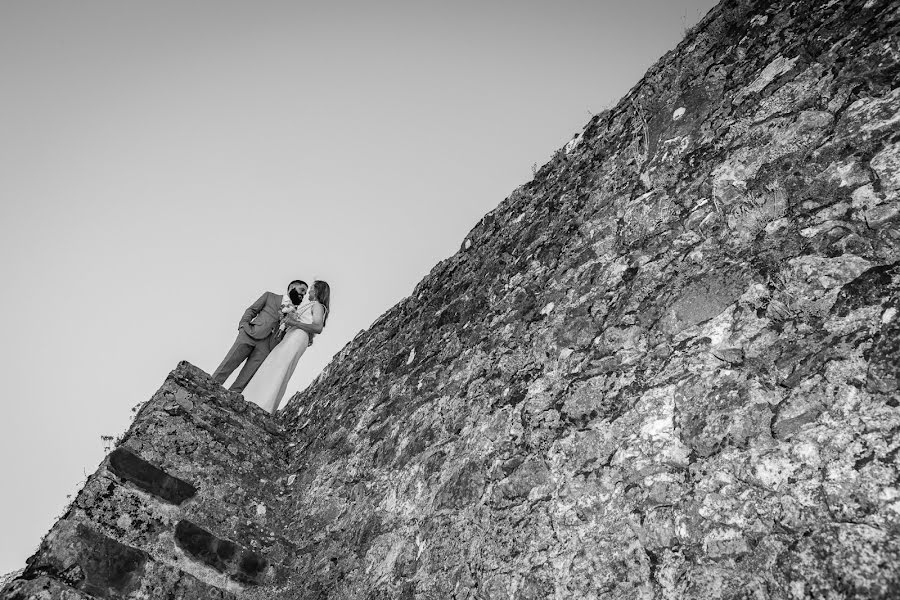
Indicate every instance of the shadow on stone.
{"type": "Point", "coordinates": [148, 477]}
{"type": "Point", "coordinates": [223, 555]}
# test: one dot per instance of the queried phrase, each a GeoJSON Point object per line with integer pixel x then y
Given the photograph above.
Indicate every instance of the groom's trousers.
{"type": "Point", "coordinates": [244, 348]}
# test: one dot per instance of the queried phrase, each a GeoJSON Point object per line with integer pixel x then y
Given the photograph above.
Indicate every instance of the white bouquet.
{"type": "Point", "coordinates": [287, 307]}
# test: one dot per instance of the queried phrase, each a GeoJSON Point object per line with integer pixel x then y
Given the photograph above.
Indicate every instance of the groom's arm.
{"type": "Point", "coordinates": [315, 327]}
{"type": "Point", "coordinates": [252, 310]}
{"type": "Point", "coordinates": [310, 328]}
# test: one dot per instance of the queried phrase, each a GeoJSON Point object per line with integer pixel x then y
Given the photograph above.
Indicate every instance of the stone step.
{"type": "Point", "coordinates": [148, 477]}
{"type": "Point", "coordinates": [76, 561]}
{"type": "Point", "coordinates": [226, 556]}
{"type": "Point", "coordinates": [187, 536]}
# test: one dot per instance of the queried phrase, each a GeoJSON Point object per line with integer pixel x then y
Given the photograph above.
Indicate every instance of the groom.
{"type": "Point", "coordinates": [257, 335]}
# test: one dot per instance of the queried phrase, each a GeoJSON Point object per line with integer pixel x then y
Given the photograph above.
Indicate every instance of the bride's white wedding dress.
{"type": "Point", "coordinates": [269, 383]}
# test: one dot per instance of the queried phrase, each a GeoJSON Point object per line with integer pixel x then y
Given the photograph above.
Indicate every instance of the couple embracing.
{"type": "Point", "coordinates": [272, 336]}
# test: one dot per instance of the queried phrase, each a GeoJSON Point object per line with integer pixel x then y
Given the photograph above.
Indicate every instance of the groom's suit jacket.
{"type": "Point", "coordinates": [261, 318]}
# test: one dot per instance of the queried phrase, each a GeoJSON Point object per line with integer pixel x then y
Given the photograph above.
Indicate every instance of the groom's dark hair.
{"type": "Point", "coordinates": [297, 282]}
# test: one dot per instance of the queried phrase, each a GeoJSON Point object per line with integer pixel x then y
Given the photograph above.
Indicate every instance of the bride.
{"type": "Point", "coordinates": [268, 385]}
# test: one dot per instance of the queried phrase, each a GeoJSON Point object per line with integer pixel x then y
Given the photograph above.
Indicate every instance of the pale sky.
{"type": "Point", "coordinates": [163, 163]}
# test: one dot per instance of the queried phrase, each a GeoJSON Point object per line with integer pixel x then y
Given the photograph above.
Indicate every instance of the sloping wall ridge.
{"type": "Point", "coordinates": [667, 367]}
{"type": "Point", "coordinates": [177, 510]}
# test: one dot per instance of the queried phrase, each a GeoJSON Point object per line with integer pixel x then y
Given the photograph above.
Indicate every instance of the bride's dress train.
{"type": "Point", "coordinates": [270, 382]}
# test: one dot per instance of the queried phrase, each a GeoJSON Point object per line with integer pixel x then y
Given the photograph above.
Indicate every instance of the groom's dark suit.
{"type": "Point", "coordinates": [257, 336]}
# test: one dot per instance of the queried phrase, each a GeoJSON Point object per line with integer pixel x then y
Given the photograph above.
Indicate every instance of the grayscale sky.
{"type": "Point", "coordinates": [162, 163]}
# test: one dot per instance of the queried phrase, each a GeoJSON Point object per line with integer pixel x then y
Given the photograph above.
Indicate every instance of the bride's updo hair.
{"type": "Point", "coordinates": [323, 296]}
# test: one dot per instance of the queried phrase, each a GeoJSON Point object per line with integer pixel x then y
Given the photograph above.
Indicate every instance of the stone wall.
{"type": "Point", "coordinates": [667, 367]}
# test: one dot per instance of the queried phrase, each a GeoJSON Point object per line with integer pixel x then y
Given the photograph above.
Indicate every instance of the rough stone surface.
{"type": "Point", "coordinates": [667, 367]}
